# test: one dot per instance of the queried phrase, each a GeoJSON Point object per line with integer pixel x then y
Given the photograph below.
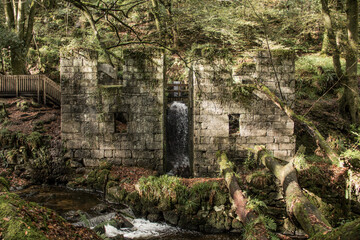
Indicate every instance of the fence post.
{"type": "Point", "coordinates": [44, 91]}
{"type": "Point", "coordinates": [17, 86]}
{"type": "Point", "coordinates": [38, 88]}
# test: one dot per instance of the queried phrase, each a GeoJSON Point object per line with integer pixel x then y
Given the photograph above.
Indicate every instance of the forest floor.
{"type": "Point", "coordinates": [26, 116]}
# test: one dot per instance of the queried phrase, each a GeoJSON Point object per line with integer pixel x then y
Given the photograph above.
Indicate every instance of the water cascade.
{"type": "Point", "coordinates": [177, 135]}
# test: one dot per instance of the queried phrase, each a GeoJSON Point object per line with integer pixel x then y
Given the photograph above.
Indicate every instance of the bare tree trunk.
{"type": "Point", "coordinates": [299, 208]}
{"type": "Point", "coordinates": [350, 100]}
{"type": "Point", "coordinates": [334, 50]}
{"type": "Point", "coordinates": [18, 62]}
{"type": "Point", "coordinates": [325, 43]}
{"type": "Point", "coordinates": [22, 24]}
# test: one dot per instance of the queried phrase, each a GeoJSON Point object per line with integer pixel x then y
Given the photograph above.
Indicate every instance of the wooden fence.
{"type": "Point", "coordinates": [38, 86]}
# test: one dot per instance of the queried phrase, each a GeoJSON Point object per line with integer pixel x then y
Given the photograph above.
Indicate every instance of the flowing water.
{"type": "Point", "coordinates": [177, 135]}
{"type": "Point", "coordinates": [63, 201]}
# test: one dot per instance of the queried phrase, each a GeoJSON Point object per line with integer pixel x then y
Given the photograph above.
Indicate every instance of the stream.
{"type": "Point", "coordinates": [74, 205]}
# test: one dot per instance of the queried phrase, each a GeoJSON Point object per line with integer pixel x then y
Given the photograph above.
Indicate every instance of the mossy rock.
{"type": "Point", "coordinates": [115, 194]}
{"type": "Point", "coordinates": [96, 179]}
{"type": "Point", "coordinates": [4, 185]}
{"type": "Point", "coordinates": [14, 226]}
{"type": "Point", "coordinates": [219, 221]}
{"type": "Point", "coordinates": [221, 198]}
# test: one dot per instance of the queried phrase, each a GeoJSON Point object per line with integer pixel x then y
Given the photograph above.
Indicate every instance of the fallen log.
{"type": "Point", "coordinates": [246, 216]}
{"type": "Point", "coordinates": [350, 230]}
{"type": "Point", "coordinates": [299, 208]}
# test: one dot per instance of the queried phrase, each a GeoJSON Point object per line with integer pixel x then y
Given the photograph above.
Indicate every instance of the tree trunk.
{"type": "Point", "coordinates": [299, 208]}
{"type": "Point", "coordinates": [350, 100]}
{"type": "Point", "coordinates": [349, 230]}
{"type": "Point", "coordinates": [245, 215]}
{"type": "Point", "coordinates": [325, 43]}
{"type": "Point", "coordinates": [334, 50]}
{"type": "Point", "coordinates": [18, 62]}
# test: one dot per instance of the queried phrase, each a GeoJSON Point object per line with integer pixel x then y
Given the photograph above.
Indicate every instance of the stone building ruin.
{"type": "Point", "coordinates": [122, 120]}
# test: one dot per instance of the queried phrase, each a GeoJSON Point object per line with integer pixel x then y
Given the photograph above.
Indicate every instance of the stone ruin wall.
{"type": "Point", "coordinates": [92, 100]}
{"type": "Point", "coordinates": [260, 122]}
{"type": "Point", "coordinates": [92, 97]}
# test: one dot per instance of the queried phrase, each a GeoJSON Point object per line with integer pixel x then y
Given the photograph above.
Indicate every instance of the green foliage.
{"type": "Point", "coordinates": [166, 191]}
{"type": "Point", "coordinates": [157, 188]}
{"type": "Point", "coordinates": [8, 38]}
{"type": "Point", "coordinates": [300, 162]}
{"type": "Point", "coordinates": [256, 205]}
{"type": "Point", "coordinates": [4, 185]}
{"type": "Point", "coordinates": [242, 94]}
{"type": "Point", "coordinates": [250, 231]}
{"type": "Point", "coordinates": [315, 76]}
{"type": "Point", "coordinates": [84, 219]}
{"type": "Point", "coordinates": [250, 162]}
{"type": "Point", "coordinates": [23, 105]}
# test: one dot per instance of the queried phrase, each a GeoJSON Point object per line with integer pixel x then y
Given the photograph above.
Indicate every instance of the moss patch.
{"type": "Point", "coordinates": [23, 220]}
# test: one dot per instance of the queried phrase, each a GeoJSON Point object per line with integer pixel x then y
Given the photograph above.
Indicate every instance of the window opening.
{"type": "Point", "coordinates": [121, 122]}
{"type": "Point", "coordinates": [234, 123]}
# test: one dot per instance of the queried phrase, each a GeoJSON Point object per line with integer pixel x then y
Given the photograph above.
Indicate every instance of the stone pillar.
{"type": "Point", "coordinates": [143, 80]}
{"type": "Point", "coordinates": [78, 72]}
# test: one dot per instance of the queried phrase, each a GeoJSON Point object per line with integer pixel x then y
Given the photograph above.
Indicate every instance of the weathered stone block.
{"type": "Point", "coordinates": [99, 154]}
{"type": "Point", "coordinates": [108, 153]}
{"type": "Point", "coordinates": [91, 162]}
{"type": "Point", "coordinates": [70, 127]}
{"type": "Point", "coordinates": [82, 153]}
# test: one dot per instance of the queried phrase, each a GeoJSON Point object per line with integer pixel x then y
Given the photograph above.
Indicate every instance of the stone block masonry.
{"type": "Point", "coordinates": [224, 123]}
{"type": "Point", "coordinates": [121, 120]}
{"type": "Point", "coordinates": [110, 119]}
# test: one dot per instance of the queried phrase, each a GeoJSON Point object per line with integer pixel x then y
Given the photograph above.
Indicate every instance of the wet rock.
{"type": "Point", "coordinates": [171, 217]}
{"type": "Point", "coordinates": [75, 216]}
{"type": "Point", "coordinates": [115, 194]}
{"type": "Point", "coordinates": [93, 222]}
{"type": "Point", "coordinates": [190, 222]}
{"type": "Point", "coordinates": [100, 208]}
{"type": "Point", "coordinates": [116, 222]}
{"type": "Point", "coordinates": [127, 213]}
{"type": "Point", "coordinates": [124, 222]}
{"type": "Point", "coordinates": [153, 217]}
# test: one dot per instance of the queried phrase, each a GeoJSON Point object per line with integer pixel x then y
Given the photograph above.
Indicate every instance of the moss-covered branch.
{"type": "Point", "coordinates": [299, 208]}
{"type": "Point", "coordinates": [245, 215]}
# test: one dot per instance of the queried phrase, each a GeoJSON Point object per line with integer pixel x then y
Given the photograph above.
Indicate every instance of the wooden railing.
{"type": "Point", "coordinates": [38, 86]}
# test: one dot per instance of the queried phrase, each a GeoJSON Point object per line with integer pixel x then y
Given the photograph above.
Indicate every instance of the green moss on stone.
{"type": "Point", "coordinates": [14, 225]}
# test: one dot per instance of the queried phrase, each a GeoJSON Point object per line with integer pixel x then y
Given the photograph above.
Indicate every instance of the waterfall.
{"type": "Point", "coordinates": [177, 131]}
